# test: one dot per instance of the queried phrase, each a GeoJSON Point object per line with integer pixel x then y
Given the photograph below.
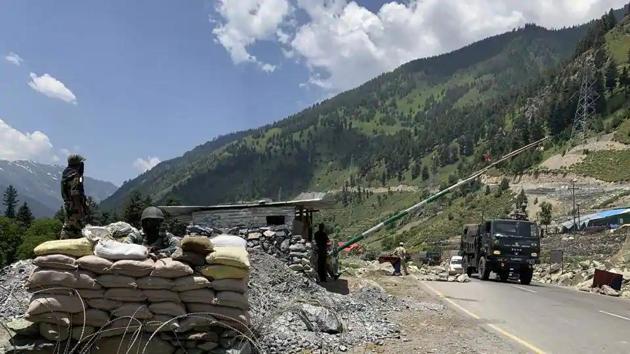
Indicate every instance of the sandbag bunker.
{"type": "Point", "coordinates": [91, 297]}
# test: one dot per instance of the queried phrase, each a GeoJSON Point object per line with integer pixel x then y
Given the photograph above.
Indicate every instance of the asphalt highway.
{"type": "Point", "coordinates": [543, 318]}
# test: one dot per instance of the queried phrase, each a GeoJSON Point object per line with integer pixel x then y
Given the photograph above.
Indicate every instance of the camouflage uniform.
{"type": "Point", "coordinates": [164, 245]}
{"type": "Point", "coordinates": [74, 201]}
{"type": "Point", "coordinates": [401, 253]}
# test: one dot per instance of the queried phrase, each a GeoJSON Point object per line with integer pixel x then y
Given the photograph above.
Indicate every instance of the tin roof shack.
{"type": "Point", "coordinates": [606, 218]}
{"type": "Point", "coordinates": [296, 215]}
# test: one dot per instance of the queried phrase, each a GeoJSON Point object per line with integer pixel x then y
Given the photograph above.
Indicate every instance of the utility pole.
{"type": "Point", "coordinates": [575, 226]}
{"type": "Point", "coordinates": [586, 102]}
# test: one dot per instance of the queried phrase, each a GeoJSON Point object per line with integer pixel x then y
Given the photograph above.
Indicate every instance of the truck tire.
{"type": "Point", "coordinates": [483, 270]}
{"type": "Point", "coordinates": [469, 271]}
{"type": "Point", "coordinates": [526, 277]}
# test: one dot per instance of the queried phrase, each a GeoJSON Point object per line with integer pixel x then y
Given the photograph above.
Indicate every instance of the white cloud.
{"type": "Point", "coordinates": [143, 165]}
{"type": "Point", "coordinates": [244, 22]}
{"type": "Point", "coordinates": [344, 44]}
{"type": "Point", "coordinates": [17, 145]}
{"type": "Point", "coordinates": [52, 87]}
{"type": "Point", "coordinates": [14, 59]}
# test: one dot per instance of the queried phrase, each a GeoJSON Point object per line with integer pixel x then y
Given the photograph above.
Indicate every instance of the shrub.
{"type": "Point", "coordinates": [40, 231]}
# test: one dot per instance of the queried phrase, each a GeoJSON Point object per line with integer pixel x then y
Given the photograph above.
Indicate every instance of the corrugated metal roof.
{"type": "Point", "coordinates": [584, 219]}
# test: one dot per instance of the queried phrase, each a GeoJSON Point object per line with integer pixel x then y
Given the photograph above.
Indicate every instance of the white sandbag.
{"type": "Point", "coordinates": [115, 250]}
{"type": "Point", "coordinates": [96, 233]}
{"type": "Point", "coordinates": [120, 229]}
{"type": "Point", "coordinates": [226, 240]}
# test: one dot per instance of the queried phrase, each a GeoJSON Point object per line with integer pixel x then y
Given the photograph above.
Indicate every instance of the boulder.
{"type": "Point", "coordinates": [320, 319]}
{"type": "Point", "coordinates": [23, 327]}
{"type": "Point", "coordinates": [254, 236]}
{"type": "Point", "coordinates": [298, 247]}
{"type": "Point", "coordinates": [463, 278]}
{"type": "Point", "coordinates": [607, 290]}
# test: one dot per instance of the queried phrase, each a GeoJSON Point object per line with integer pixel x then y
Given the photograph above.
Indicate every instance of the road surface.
{"type": "Point", "coordinates": [543, 318]}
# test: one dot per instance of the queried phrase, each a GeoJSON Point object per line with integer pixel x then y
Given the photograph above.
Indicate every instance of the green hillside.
{"type": "Point", "coordinates": [425, 124]}
{"type": "Point", "coordinates": [380, 132]}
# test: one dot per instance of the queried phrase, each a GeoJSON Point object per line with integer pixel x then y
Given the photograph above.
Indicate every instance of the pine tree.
{"type": "Point", "coordinates": [624, 79]}
{"type": "Point", "coordinates": [611, 76]}
{"type": "Point", "coordinates": [425, 173]}
{"type": "Point", "coordinates": [611, 21]}
{"type": "Point", "coordinates": [10, 201]}
{"type": "Point", "coordinates": [133, 209]}
{"type": "Point", "coordinates": [544, 215]}
{"type": "Point", "coordinates": [24, 215]}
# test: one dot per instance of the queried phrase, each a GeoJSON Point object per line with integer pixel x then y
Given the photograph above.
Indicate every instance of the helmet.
{"type": "Point", "coordinates": [152, 213]}
{"type": "Point", "coordinates": [401, 244]}
{"type": "Point", "coordinates": [75, 159]}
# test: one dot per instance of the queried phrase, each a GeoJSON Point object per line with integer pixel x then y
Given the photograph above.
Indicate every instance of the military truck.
{"type": "Point", "coordinates": [503, 246]}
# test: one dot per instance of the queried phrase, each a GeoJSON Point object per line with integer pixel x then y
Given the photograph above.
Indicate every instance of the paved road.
{"type": "Point", "coordinates": [544, 318]}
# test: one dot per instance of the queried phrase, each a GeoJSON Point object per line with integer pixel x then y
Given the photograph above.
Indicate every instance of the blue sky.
{"type": "Point", "coordinates": [119, 81]}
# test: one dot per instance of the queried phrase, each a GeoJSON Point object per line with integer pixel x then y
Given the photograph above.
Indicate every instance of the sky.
{"type": "Point", "coordinates": [128, 84]}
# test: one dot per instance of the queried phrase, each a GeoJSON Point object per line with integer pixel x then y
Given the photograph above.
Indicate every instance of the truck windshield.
{"type": "Point", "coordinates": [515, 229]}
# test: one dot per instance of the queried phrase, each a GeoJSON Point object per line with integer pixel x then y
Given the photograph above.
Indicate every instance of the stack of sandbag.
{"type": "Point", "coordinates": [94, 294]}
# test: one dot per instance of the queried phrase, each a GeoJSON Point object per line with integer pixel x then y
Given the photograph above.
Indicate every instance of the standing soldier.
{"type": "Point", "coordinates": [74, 201]}
{"type": "Point", "coordinates": [401, 253]}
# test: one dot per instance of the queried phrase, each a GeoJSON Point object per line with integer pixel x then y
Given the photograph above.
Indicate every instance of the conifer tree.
{"type": "Point", "coordinates": [24, 215]}
{"type": "Point", "coordinates": [10, 201]}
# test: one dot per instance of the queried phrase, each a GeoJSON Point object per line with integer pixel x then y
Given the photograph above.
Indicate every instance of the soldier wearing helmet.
{"type": "Point", "coordinates": [74, 201]}
{"type": "Point", "coordinates": [161, 244]}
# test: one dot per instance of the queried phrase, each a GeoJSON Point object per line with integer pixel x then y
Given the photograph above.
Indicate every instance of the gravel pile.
{"type": "Point", "coordinates": [293, 314]}
{"type": "Point", "coordinates": [14, 298]}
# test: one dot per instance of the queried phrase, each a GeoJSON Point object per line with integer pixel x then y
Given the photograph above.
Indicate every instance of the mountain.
{"type": "Point", "coordinates": [38, 184]}
{"type": "Point", "coordinates": [421, 124]}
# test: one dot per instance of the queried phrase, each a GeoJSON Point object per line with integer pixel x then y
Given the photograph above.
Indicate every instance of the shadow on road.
{"type": "Point", "coordinates": [461, 299]}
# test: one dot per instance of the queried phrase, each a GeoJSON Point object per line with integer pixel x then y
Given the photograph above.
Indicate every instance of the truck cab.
{"type": "Point", "coordinates": [502, 246]}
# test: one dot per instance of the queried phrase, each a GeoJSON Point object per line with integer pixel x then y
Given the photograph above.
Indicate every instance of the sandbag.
{"type": "Point", "coordinates": [161, 295]}
{"type": "Point", "coordinates": [168, 268]}
{"type": "Point", "coordinates": [56, 261]}
{"type": "Point", "coordinates": [54, 303]}
{"type": "Point", "coordinates": [133, 309]}
{"type": "Point", "coordinates": [92, 317]}
{"type": "Point", "coordinates": [77, 247]}
{"type": "Point", "coordinates": [114, 250]}
{"type": "Point", "coordinates": [116, 281]}
{"type": "Point", "coordinates": [116, 328]}
{"type": "Point", "coordinates": [231, 256]}
{"type": "Point", "coordinates": [80, 279]}
{"type": "Point", "coordinates": [237, 285]}
{"type": "Point", "coordinates": [226, 240]}
{"type": "Point", "coordinates": [91, 294]}
{"type": "Point", "coordinates": [167, 308]}
{"type": "Point", "coordinates": [232, 299]}
{"type": "Point", "coordinates": [197, 244]}
{"type": "Point", "coordinates": [221, 313]}
{"type": "Point", "coordinates": [206, 336]}
{"type": "Point", "coordinates": [207, 346]}
{"type": "Point", "coordinates": [161, 323]}
{"type": "Point", "coordinates": [154, 283]}
{"type": "Point", "coordinates": [133, 268]}
{"type": "Point", "coordinates": [96, 233]}
{"type": "Point", "coordinates": [56, 318]}
{"type": "Point", "coordinates": [54, 332]}
{"type": "Point", "coordinates": [95, 264]}
{"type": "Point", "coordinates": [103, 304]}
{"type": "Point", "coordinates": [82, 333]}
{"type": "Point", "coordinates": [200, 296]}
{"type": "Point", "coordinates": [114, 343]}
{"type": "Point", "coordinates": [191, 282]}
{"type": "Point", "coordinates": [187, 257]}
{"type": "Point", "coordinates": [219, 271]}
{"type": "Point", "coordinates": [120, 229]}
{"type": "Point", "coordinates": [125, 295]}
{"type": "Point", "coordinates": [195, 321]}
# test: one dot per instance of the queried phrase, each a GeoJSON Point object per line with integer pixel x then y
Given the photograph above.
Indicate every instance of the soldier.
{"type": "Point", "coordinates": [74, 201]}
{"type": "Point", "coordinates": [161, 244]}
{"type": "Point", "coordinates": [401, 253]}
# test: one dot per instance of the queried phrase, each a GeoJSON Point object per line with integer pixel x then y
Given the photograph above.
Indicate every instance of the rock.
{"type": "Point", "coordinates": [298, 247]}
{"type": "Point", "coordinates": [284, 246]}
{"type": "Point", "coordinates": [463, 278]}
{"type": "Point", "coordinates": [320, 319]}
{"type": "Point", "coordinates": [554, 268]}
{"type": "Point", "coordinates": [254, 236]}
{"type": "Point", "coordinates": [607, 290]}
{"type": "Point", "coordinates": [269, 233]}
{"type": "Point", "coordinates": [451, 278]}
{"type": "Point", "coordinates": [296, 267]}
{"type": "Point", "coordinates": [585, 285]}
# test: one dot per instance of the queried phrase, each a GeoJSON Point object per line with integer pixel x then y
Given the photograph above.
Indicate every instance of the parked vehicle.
{"type": "Point", "coordinates": [455, 265]}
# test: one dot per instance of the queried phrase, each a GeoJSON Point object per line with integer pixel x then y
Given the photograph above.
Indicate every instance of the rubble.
{"type": "Point", "coordinates": [293, 314]}
{"type": "Point", "coordinates": [14, 298]}
{"type": "Point", "coordinates": [579, 275]}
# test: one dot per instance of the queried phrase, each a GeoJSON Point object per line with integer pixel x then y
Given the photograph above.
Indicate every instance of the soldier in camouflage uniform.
{"type": "Point", "coordinates": [74, 201]}
{"type": "Point", "coordinates": [161, 244]}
